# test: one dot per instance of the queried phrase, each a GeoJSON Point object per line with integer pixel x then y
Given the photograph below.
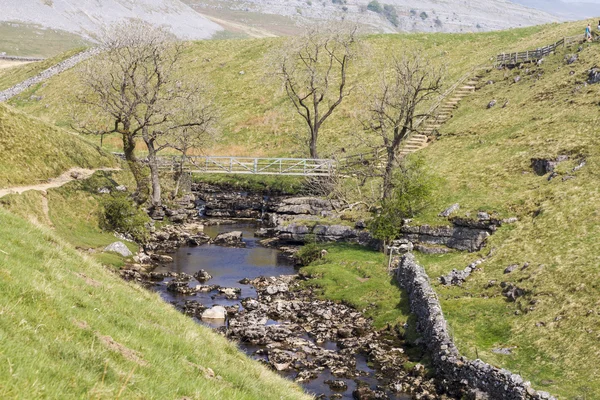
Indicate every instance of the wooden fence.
{"type": "Point", "coordinates": [537, 54]}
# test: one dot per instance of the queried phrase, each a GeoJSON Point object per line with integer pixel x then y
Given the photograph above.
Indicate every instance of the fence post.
{"type": "Point", "coordinates": [256, 165]}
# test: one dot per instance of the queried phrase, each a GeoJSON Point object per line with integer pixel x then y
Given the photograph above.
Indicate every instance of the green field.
{"type": "Point", "coordinates": [28, 40]}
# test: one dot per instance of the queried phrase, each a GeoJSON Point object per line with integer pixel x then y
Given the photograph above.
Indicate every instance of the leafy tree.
{"type": "Point", "coordinates": [391, 14]}
{"type": "Point", "coordinates": [424, 16]}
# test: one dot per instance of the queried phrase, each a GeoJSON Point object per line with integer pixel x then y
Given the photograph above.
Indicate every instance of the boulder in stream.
{"type": "Point", "coordinates": [216, 312]}
{"type": "Point", "coordinates": [229, 239]}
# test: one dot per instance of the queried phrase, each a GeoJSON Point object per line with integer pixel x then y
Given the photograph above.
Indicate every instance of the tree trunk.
{"type": "Point", "coordinates": [179, 176]}
{"type": "Point", "coordinates": [154, 174]}
{"type": "Point", "coordinates": [141, 192]}
{"type": "Point", "coordinates": [388, 174]}
{"type": "Point", "coordinates": [314, 134]}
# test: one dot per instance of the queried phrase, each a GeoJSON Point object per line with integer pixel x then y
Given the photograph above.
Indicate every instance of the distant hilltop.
{"type": "Point", "coordinates": [87, 17]}
{"type": "Point", "coordinates": [387, 16]}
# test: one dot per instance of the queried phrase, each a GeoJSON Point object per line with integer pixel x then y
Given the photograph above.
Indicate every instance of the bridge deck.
{"type": "Point", "coordinates": [252, 165]}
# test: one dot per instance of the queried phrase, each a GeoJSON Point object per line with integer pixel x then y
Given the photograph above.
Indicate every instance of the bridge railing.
{"type": "Point", "coordinates": [252, 165]}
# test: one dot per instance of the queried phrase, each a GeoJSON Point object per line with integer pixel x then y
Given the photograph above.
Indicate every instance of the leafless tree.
{"type": "Point", "coordinates": [400, 100]}
{"type": "Point", "coordinates": [314, 71]}
{"type": "Point", "coordinates": [135, 88]}
{"type": "Point", "coordinates": [193, 136]}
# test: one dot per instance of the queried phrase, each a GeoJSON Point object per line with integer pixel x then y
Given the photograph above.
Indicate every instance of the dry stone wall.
{"type": "Point", "coordinates": [459, 371]}
{"type": "Point", "coordinates": [47, 74]}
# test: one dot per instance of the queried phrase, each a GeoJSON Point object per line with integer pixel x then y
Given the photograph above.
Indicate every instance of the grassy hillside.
{"type": "Point", "coordinates": [33, 151]}
{"type": "Point", "coordinates": [30, 40]}
{"type": "Point", "coordinates": [11, 76]}
{"type": "Point", "coordinates": [69, 328]}
{"type": "Point", "coordinates": [485, 157]}
{"type": "Point", "coordinates": [257, 120]}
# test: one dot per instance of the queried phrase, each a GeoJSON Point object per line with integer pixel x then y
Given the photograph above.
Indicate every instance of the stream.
{"type": "Point", "coordinates": [228, 266]}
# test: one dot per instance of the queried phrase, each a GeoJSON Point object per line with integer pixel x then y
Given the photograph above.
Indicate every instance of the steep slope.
{"type": "Point", "coordinates": [70, 329]}
{"type": "Point", "coordinates": [285, 17]}
{"type": "Point", "coordinates": [485, 160]}
{"type": "Point", "coordinates": [89, 17]}
{"type": "Point", "coordinates": [35, 40]}
{"type": "Point", "coordinates": [33, 151]}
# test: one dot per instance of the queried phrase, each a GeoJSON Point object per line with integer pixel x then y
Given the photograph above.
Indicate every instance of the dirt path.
{"type": "Point", "coordinates": [253, 32]}
{"type": "Point", "coordinates": [10, 64]}
{"type": "Point", "coordinates": [71, 175]}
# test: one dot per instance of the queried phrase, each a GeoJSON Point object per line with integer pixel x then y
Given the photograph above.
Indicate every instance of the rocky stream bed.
{"type": "Point", "coordinates": [255, 296]}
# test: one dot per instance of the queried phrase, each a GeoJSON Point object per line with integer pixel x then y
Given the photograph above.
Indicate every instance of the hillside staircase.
{"type": "Point", "coordinates": [441, 111]}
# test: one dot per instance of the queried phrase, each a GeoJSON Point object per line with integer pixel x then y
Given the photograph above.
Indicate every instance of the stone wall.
{"type": "Point", "coordinates": [46, 74]}
{"type": "Point", "coordinates": [450, 365]}
{"type": "Point", "coordinates": [17, 58]}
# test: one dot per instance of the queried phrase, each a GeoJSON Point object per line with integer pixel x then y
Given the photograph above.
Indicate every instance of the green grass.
{"type": "Point", "coordinates": [33, 151]}
{"type": "Point", "coordinates": [288, 185]}
{"type": "Point", "coordinates": [358, 277]}
{"type": "Point", "coordinates": [30, 40]}
{"type": "Point", "coordinates": [71, 329]}
{"type": "Point", "coordinates": [73, 213]}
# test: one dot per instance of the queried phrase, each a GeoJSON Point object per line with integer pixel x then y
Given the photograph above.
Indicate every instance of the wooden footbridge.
{"type": "Point", "coordinates": [251, 165]}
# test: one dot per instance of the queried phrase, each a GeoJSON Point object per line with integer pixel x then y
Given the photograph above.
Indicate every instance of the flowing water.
{"type": "Point", "coordinates": [228, 266]}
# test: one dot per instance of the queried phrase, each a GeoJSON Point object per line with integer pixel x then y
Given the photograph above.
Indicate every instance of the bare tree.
{"type": "Point", "coordinates": [406, 86]}
{"type": "Point", "coordinates": [193, 136]}
{"type": "Point", "coordinates": [314, 71]}
{"type": "Point", "coordinates": [135, 89]}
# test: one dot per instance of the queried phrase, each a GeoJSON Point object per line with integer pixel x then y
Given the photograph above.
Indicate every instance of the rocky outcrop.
{"type": "Point", "coordinates": [298, 233]}
{"type": "Point", "coordinates": [171, 237]}
{"type": "Point", "coordinates": [543, 166]}
{"type": "Point", "coordinates": [119, 248]}
{"type": "Point", "coordinates": [304, 324]}
{"type": "Point", "coordinates": [305, 206]}
{"type": "Point", "coordinates": [456, 369]}
{"type": "Point", "coordinates": [464, 234]}
{"type": "Point", "coordinates": [230, 203]}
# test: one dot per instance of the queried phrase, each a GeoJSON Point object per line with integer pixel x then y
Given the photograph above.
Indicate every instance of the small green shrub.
{"type": "Point", "coordinates": [375, 6]}
{"type": "Point", "coordinates": [424, 16]}
{"type": "Point", "coordinates": [120, 214]}
{"type": "Point", "coordinates": [309, 253]}
{"type": "Point", "coordinates": [391, 14]}
{"type": "Point", "coordinates": [413, 187]}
